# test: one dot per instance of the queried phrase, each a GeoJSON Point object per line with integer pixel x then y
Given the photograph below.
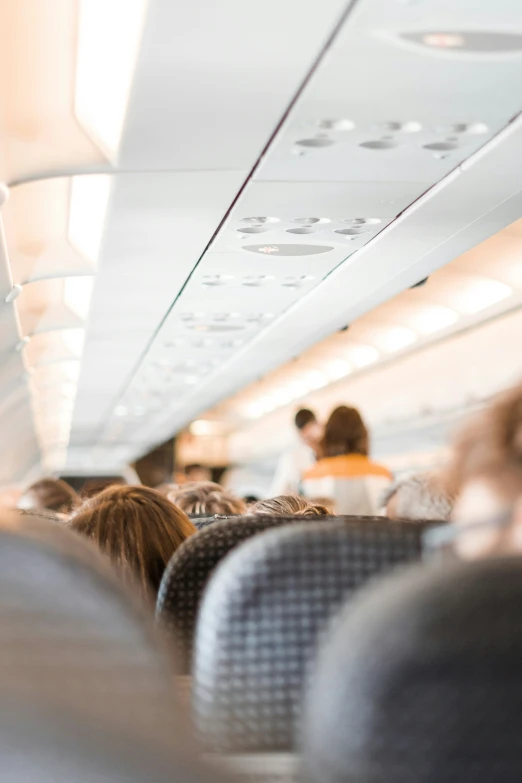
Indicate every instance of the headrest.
{"type": "Point", "coordinates": [263, 613]}
{"type": "Point", "coordinates": [421, 680]}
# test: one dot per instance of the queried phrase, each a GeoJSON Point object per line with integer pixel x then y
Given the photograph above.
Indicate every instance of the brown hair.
{"type": "Point", "coordinates": [289, 505]}
{"type": "Point", "coordinates": [345, 433]}
{"type": "Point", "coordinates": [490, 446]}
{"type": "Point", "coordinates": [205, 497]}
{"type": "Point", "coordinates": [137, 528]}
{"type": "Point", "coordinates": [50, 494]}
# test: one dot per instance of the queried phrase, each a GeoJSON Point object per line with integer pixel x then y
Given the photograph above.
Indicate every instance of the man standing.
{"type": "Point", "coordinates": [293, 464]}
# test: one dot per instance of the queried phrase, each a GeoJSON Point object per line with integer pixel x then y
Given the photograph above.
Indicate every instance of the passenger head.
{"type": "Point", "coordinates": [486, 476]}
{"type": "Point", "coordinates": [197, 472]}
{"type": "Point", "coordinates": [49, 494]}
{"type": "Point", "coordinates": [208, 498]}
{"type": "Point", "coordinates": [423, 496]}
{"type": "Point", "coordinates": [137, 528]}
{"type": "Point", "coordinates": [308, 428]}
{"type": "Point", "coordinates": [345, 433]}
{"type": "Point", "coordinates": [287, 506]}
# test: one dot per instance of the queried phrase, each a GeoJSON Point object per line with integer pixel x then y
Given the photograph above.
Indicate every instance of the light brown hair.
{"type": "Point", "coordinates": [50, 494]}
{"type": "Point", "coordinates": [137, 528]}
{"type": "Point", "coordinates": [345, 433]}
{"type": "Point", "coordinates": [205, 497]}
{"type": "Point", "coordinates": [490, 446]}
{"type": "Point", "coordinates": [289, 505]}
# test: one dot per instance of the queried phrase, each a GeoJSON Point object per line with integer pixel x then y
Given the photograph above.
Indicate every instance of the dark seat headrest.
{"type": "Point", "coordinates": [421, 680]}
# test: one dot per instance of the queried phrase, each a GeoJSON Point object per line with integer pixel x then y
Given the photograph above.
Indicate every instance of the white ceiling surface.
{"type": "Point", "coordinates": [424, 388]}
{"type": "Point", "coordinates": [211, 84]}
{"type": "Point", "coordinates": [371, 80]}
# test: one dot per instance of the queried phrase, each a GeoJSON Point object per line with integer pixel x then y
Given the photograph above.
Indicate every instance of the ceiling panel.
{"type": "Point", "coordinates": [157, 226]}
{"type": "Point", "coordinates": [213, 79]}
{"type": "Point", "coordinates": [379, 111]}
{"type": "Point", "coordinates": [425, 237]}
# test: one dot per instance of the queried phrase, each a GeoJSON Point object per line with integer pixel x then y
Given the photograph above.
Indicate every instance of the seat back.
{"type": "Point", "coordinates": [421, 681]}
{"type": "Point", "coordinates": [190, 568]}
{"type": "Point", "coordinates": [86, 681]}
{"type": "Point", "coordinates": [263, 613]}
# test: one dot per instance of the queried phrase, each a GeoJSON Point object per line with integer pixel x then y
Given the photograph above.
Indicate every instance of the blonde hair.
{"type": "Point", "coordinates": [287, 506]}
{"type": "Point", "coordinates": [137, 528]}
{"type": "Point", "coordinates": [490, 446]}
{"type": "Point", "coordinates": [205, 497]}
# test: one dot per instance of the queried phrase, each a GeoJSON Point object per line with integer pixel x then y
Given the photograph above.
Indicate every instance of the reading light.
{"type": "Point", "coordinates": [202, 427]}
{"type": "Point", "coordinates": [109, 35]}
{"type": "Point", "coordinates": [89, 197]}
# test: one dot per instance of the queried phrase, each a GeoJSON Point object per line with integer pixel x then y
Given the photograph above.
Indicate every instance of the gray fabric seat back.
{"type": "Point", "coordinates": [86, 680]}
{"type": "Point", "coordinates": [191, 567]}
{"type": "Point", "coordinates": [421, 680]}
{"type": "Point", "coordinates": [263, 613]}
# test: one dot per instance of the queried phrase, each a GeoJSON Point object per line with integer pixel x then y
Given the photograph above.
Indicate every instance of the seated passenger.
{"type": "Point", "coordinates": [204, 498]}
{"type": "Point", "coordinates": [287, 506]}
{"type": "Point", "coordinates": [197, 472]}
{"type": "Point", "coordinates": [137, 528]}
{"type": "Point", "coordinates": [486, 476]}
{"type": "Point", "coordinates": [422, 496]}
{"type": "Point", "coordinates": [49, 494]}
{"type": "Point", "coordinates": [344, 472]}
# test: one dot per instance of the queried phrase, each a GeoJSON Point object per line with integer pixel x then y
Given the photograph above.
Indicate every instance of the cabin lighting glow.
{"type": "Point", "coordinates": [77, 293]}
{"type": "Point", "coordinates": [363, 355]}
{"type": "Point", "coordinates": [88, 205]}
{"type": "Point", "coordinates": [109, 36]}
{"type": "Point", "coordinates": [74, 340]}
{"type": "Point", "coordinates": [395, 338]}
{"type": "Point", "coordinates": [433, 319]}
{"type": "Point", "coordinates": [202, 427]}
{"type": "Point", "coordinates": [480, 293]}
{"type": "Point", "coordinates": [337, 369]}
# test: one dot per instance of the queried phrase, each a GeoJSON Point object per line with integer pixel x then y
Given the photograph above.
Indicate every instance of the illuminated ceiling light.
{"type": "Point", "coordinates": [480, 293]}
{"type": "Point", "coordinates": [74, 339]}
{"type": "Point", "coordinates": [77, 293]}
{"type": "Point", "coordinates": [89, 197]}
{"type": "Point", "coordinates": [337, 369]}
{"type": "Point", "coordinates": [121, 410]}
{"type": "Point", "coordinates": [202, 427]}
{"type": "Point", "coordinates": [315, 380]}
{"type": "Point", "coordinates": [109, 35]}
{"type": "Point", "coordinates": [363, 355]}
{"type": "Point", "coordinates": [444, 40]}
{"type": "Point", "coordinates": [433, 318]}
{"type": "Point", "coordinates": [395, 338]}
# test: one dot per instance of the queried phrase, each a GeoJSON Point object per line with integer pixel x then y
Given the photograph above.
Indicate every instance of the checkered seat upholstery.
{"type": "Point", "coordinates": [421, 680]}
{"type": "Point", "coordinates": [263, 614]}
{"type": "Point", "coordinates": [190, 568]}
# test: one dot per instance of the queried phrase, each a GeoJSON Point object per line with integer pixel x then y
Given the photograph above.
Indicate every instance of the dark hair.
{"type": "Point", "coordinates": [52, 495]}
{"type": "Point", "coordinates": [289, 505]}
{"type": "Point", "coordinates": [137, 528]}
{"type": "Point", "coordinates": [304, 417]}
{"type": "Point", "coordinates": [205, 497]}
{"type": "Point", "coordinates": [345, 433]}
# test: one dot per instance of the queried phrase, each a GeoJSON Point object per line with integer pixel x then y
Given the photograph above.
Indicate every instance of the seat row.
{"type": "Point", "coordinates": [414, 676]}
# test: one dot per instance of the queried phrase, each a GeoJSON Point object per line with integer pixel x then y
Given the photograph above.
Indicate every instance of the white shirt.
{"type": "Point", "coordinates": [290, 470]}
